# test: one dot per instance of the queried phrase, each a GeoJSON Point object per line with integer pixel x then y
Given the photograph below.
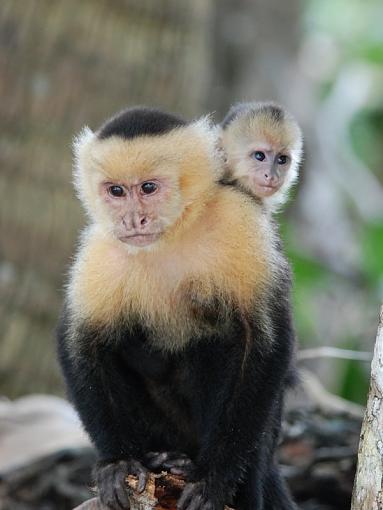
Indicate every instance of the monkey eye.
{"type": "Point", "coordinates": [116, 191]}
{"type": "Point", "coordinates": [282, 159]}
{"type": "Point", "coordinates": [258, 155]}
{"type": "Point", "coordinates": [147, 188]}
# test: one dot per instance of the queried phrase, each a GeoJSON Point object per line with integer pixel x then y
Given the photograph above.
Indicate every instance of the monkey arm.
{"type": "Point", "coordinates": [245, 420]}
{"type": "Point", "coordinates": [110, 402]}
{"type": "Point", "coordinates": [240, 431]}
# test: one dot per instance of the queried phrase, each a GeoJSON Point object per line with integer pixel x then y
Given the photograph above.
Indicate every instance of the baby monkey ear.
{"type": "Point", "coordinates": [221, 153]}
{"type": "Point", "coordinates": [219, 140]}
{"type": "Point", "coordinates": [212, 135]}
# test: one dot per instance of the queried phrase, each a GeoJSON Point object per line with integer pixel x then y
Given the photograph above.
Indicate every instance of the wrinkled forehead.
{"type": "Point", "coordinates": [145, 156]}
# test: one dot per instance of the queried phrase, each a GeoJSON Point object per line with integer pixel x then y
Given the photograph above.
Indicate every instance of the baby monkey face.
{"type": "Point", "coordinates": [262, 143]}
{"type": "Point", "coordinates": [267, 168]}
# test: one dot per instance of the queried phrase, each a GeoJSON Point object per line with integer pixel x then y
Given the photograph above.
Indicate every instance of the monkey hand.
{"type": "Point", "coordinates": [113, 490]}
{"type": "Point", "coordinates": [199, 496]}
{"type": "Point", "coordinates": [176, 463]}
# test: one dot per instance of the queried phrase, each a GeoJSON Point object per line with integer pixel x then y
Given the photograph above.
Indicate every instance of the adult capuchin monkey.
{"type": "Point", "coordinates": [176, 333]}
{"type": "Point", "coordinates": [262, 145]}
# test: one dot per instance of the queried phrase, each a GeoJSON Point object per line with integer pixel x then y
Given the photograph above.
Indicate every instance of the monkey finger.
{"type": "Point", "coordinates": [122, 493]}
{"type": "Point", "coordinates": [196, 504]}
{"type": "Point", "coordinates": [142, 481]}
{"type": "Point", "coordinates": [121, 489]}
{"type": "Point", "coordinates": [187, 496]}
{"type": "Point", "coordinates": [176, 456]}
{"type": "Point", "coordinates": [156, 459]}
{"type": "Point", "coordinates": [178, 463]}
{"type": "Point", "coordinates": [151, 455]}
{"type": "Point", "coordinates": [178, 471]}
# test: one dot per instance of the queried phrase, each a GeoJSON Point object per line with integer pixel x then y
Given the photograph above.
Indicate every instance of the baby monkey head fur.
{"type": "Point", "coordinates": [262, 144]}
{"type": "Point", "coordinates": [138, 174]}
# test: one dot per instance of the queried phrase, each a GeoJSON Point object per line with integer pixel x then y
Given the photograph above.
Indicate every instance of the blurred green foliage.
{"type": "Point", "coordinates": [355, 381]}
{"type": "Point", "coordinates": [353, 30]}
{"type": "Point", "coordinates": [372, 246]}
{"type": "Point", "coordinates": [312, 278]}
{"type": "Point", "coordinates": [366, 132]}
{"type": "Point", "coordinates": [355, 26]}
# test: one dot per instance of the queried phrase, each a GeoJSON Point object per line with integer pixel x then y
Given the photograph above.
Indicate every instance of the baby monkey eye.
{"type": "Point", "coordinates": [258, 155]}
{"type": "Point", "coordinates": [116, 191]}
{"type": "Point", "coordinates": [148, 188]}
{"type": "Point", "coordinates": [282, 160]}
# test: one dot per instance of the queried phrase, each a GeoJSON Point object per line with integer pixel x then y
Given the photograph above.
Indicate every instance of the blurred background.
{"type": "Point", "coordinates": [65, 63]}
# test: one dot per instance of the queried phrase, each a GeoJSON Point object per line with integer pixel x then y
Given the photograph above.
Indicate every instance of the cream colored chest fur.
{"type": "Point", "coordinates": [231, 255]}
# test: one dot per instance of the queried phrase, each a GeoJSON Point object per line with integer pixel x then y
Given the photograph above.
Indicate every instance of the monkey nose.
{"type": "Point", "coordinates": [135, 221]}
{"type": "Point", "coordinates": [140, 221]}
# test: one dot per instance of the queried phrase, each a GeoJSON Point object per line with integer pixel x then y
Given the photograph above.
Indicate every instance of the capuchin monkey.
{"type": "Point", "coordinates": [176, 335]}
{"type": "Point", "coordinates": [262, 146]}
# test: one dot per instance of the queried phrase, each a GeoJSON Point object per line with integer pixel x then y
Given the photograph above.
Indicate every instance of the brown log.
{"type": "Point", "coordinates": [368, 487]}
{"type": "Point", "coordinates": [161, 493]}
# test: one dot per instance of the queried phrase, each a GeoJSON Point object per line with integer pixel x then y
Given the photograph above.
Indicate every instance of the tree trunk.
{"type": "Point", "coordinates": [368, 487]}
{"type": "Point", "coordinates": [253, 51]}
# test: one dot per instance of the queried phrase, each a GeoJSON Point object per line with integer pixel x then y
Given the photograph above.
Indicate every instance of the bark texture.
{"type": "Point", "coordinates": [368, 488]}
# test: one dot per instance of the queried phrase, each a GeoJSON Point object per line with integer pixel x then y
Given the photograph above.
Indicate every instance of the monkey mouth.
{"type": "Point", "coordinates": [268, 189]}
{"type": "Point", "coordinates": [140, 239]}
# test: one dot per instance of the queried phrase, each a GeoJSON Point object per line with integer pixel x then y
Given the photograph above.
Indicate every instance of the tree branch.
{"type": "Point", "coordinates": [325, 400]}
{"type": "Point", "coordinates": [333, 352]}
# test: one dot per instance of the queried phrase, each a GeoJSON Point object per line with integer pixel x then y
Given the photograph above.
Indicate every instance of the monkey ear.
{"type": "Point", "coordinates": [205, 127]}
{"type": "Point", "coordinates": [81, 140]}
{"type": "Point", "coordinates": [221, 153]}
{"type": "Point", "coordinates": [81, 145]}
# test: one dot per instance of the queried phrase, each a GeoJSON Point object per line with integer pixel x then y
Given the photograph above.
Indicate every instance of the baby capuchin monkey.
{"type": "Point", "coordinates": [262, 146]}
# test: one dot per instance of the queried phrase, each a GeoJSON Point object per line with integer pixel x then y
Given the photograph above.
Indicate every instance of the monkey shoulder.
{"type": "Point", "coordinates": [249, 240]}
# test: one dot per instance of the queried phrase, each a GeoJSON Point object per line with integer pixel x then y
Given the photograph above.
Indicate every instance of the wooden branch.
{"type": "Point", "coordinates": [333, 352]}
{"type": "Point", "coordinates": [368, 486]}
{"type": "Point", "coordinates": [161, 493]}
{"type": "Point", "coordinates": [326, 401]}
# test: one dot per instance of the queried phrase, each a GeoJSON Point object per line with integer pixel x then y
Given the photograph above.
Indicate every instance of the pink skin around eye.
{"type": "Point", "coordinates": [136, 215]}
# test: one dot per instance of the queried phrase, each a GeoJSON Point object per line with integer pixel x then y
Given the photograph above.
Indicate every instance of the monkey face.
{"type": "Point", "coordinates": [139, 211]}
{"type": "Point", "coordinates": [141, 189]}
{"type": "Point", "coordinates": [261, 168]}
{"type": "Point", "coordinates": [267, 170]}
{"type": "Point", "coordinates": [263, 144]}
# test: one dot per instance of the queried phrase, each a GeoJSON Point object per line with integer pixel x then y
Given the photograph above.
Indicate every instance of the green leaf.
{"type": "Point", "coordinates": [355, 382]}
{"type": "Point", "coordinates": [372, 250]}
